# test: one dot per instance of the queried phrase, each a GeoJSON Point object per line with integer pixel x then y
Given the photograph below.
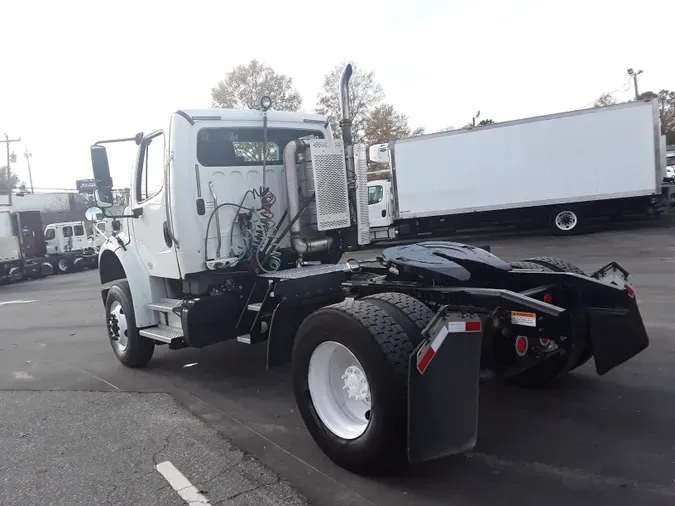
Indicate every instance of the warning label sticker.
{"type": "Point", "coordinates": [524, 319]}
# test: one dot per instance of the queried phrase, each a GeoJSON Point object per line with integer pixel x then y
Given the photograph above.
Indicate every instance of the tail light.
{"type": "Point", "coordinates": [521, 345]}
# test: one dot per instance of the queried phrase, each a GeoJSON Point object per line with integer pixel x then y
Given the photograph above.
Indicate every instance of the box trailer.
{"type": "Point", "coordinates": [557, 170]}
{"type": "Point", "coordinates": [22, 246]}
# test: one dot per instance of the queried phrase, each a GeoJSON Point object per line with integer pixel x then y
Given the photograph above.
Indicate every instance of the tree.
{"type": "Point", "coordinates": [604, 99]}
{"type": "Point", "coordinates": [6, 184]}
{"type": "Point", "coordinates": [647, 95]}
{"type": "Point", "coordinates": [384, 124]}
{"type": "Point", "coordinates": [446, 129]}
{"type": "Point", "coordinates": [666, 104]}
{"type": "Point", "coordinates": [245, 85]}
{"type": "Point", "coordinates": [667, 113]}
{"type": "Point", "coordinates": [364, 94]}
{"type": "Point", "coordinates": [418, 131]}
{"type": "Point", "coordinates": [484, 122]}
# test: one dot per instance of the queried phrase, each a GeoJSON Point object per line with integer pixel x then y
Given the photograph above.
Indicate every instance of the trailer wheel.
{"type": "Point", "coordinates": [349, 367]}
{"type": "Point", "coordinates": [409, 313]}
{"type": "Point", "coordinates": [566, 220]}
{"type": "Point", "coordinates": [556, 264]}
{"type": "Point", "coordinates": [131, 349]}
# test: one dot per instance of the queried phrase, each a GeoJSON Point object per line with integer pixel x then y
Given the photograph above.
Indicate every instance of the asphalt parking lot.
{"type": "Point", "coordinates": [79, 428]}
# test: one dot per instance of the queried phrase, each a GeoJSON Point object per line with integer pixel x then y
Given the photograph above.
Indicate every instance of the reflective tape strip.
{"type": "Point", "coordinates": [427, 352]}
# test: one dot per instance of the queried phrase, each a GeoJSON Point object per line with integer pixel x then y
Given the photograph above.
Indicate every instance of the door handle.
{"type": "Point", "coordinates": [167, 235]}
{"type": "Point", "coordinates": [384, 213]}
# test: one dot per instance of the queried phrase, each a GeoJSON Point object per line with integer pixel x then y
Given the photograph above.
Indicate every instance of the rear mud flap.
{"type": "Point", "coordinates": [616, 335]}
{"type": "Point", "coordinates": [443, 387]}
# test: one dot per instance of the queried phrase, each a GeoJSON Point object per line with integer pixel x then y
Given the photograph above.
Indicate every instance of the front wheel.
{"type": "Point", "coordinates": [349, 367]}
{"type": "Point", "coordinates": [132, 349]}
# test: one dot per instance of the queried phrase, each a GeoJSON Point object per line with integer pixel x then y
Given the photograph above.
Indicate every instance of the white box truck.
{"type": "Point", "coordinates": [557, 170]}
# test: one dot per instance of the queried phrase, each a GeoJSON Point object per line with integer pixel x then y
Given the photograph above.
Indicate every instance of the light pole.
{"type": "Point", "coordinates": [30, 174]}
{"type": "Point", "coordinates": [8, 141]}
{"type": "Point", "coordinates": [634, 75]}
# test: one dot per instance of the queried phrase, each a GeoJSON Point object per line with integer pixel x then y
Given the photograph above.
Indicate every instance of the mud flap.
{"type": "Point", "coordinates": [443, 382]}
{"type": "Point", "coordinates": [616, 335]}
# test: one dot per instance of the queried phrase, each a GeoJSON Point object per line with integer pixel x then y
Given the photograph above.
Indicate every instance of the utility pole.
{"type": "Point", "coordinates": [8, 141]}
{"type": "Point", "coordinates": [30, 174]}
{"type": "Point", "coordinates": [634, 75]}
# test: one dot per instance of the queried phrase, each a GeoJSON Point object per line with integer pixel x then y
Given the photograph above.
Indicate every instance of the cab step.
{"type": "Point", "coordinates": [162, 333]}
{"type": "Point", "coordinates": [165, 305]}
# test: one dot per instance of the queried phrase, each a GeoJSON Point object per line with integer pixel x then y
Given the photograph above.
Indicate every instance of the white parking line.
{"type": "Point", "coordinates": [17, 302]}
{"type": "Point", "coordinates": [180, 484]}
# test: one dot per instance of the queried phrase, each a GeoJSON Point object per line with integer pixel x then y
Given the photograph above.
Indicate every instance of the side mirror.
{"type": "Point", "coordinates": [102, 179]}
{"type": "Point", "coordinates": [94, 214]}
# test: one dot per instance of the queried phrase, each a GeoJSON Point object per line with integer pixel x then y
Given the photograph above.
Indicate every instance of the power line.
{"type": "Point", "coordinates": [625, 88]}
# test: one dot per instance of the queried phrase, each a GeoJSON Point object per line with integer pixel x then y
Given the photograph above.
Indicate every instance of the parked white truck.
{"type": "Point", "coordinates": [236, 223]}
{"type": "Point", "coordinates": [557, 171]}
{"type": "Point", "coordinates": [68, 247]}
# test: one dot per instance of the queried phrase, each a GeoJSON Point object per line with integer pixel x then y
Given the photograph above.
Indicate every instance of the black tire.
{"type": "Point", "coordinates": [139, 349]}
{"type": "Point", "coordinates": [556, 264]}
{"type": "Point", "coordinates": [382, 347]}
{"type": "Point", "coordinates": [569, 211]}
{"type": "Point", "coordinates": [410, 313]}
{"type": "Point", "coordinates": [522, 264]}
{"type": "Point", "coordinates": [548, 371]}
{"type": "Point", "coordinates": [62, 266]}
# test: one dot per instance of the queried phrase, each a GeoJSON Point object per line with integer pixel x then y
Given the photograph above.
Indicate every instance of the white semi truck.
{"type": "Point", "coordinates": [558, 171]}
{"type": "Point", "coordinates": [236, 223]}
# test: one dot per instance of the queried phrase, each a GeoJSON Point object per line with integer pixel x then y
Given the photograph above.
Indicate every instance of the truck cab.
{"type": "Point", "coordinates": [65, 237]}
{"type": "Point", "coordinates": [380, 204]}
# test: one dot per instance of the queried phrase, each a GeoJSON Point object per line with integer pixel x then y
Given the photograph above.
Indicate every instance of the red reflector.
{"type": "Point", "coordinates": [521, 345]}
{"type": "Point", "coordinates": [544, 341]}
{"type": "Point", "coordinates": [426, 360]}
{"type": "Point", "coordinates": [548, 298]}
{"type": "Point", "coordinates": [473, 326]}
{"type": "Point", "coordinates": [629, 290]}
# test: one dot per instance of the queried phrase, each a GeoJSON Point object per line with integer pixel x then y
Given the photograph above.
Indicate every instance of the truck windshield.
{"type": "Point", "coordinates": [375, 194]}
{"type": "Point", "coordinates": [236, 147]}
{"type": "Point", "coordinates": [670, 161]}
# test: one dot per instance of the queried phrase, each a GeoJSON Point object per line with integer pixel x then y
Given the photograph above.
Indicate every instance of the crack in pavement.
{"type": "Point", "coordinates": [260, 486]}
{"type": "Point", "coordinates": [167, 442]}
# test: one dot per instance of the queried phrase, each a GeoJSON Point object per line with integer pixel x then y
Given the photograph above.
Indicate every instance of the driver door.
{"type": "Point", "coordinates": [154, 246]}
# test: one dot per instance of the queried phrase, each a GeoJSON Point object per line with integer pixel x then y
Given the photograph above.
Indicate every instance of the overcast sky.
{"type": "Point", "coordinates": [76, 72]}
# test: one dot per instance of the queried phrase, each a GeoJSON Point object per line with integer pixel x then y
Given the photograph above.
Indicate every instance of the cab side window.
{"type": "Point", "coordinates": [375, 194]}
{"type": "Point", "coordinates": [67, 231]}
{"type": "Point", "coordinates": [50, 234]}
{"type": "Point", "coordinates": [79, 230]}
{"type": "Point", "coordinates": [150, 176]}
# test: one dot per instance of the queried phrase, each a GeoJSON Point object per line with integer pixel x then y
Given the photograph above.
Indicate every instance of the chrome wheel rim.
{"type": "Point", "coordinates": [566, 220]}
{"type": "Point", "coordinates": [117, 327]}
{"type": "Point", "coordinates": [339, 389]}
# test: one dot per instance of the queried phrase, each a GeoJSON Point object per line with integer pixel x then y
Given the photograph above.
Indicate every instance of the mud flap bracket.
{"type": "Point", "coordinates": [443, 379]}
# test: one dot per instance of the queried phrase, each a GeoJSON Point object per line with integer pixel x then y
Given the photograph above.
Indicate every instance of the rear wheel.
{"type": "Point", "coordinates": [349, 367]}
{"type": "Point", "coordinates": [530, 266]}
{"type": "Point", "coordinates": [551, 369]}
{"type": "Point", "coordinates": [555, 264]}
{"type": "Point", "coordinates": [566, 220]}
{"type": "Point", "coordinates": [132, 349]}
{"type": "Point", "coordinates": [409, 313]}
{"type": "Point", "coordinates": [62, 265]}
